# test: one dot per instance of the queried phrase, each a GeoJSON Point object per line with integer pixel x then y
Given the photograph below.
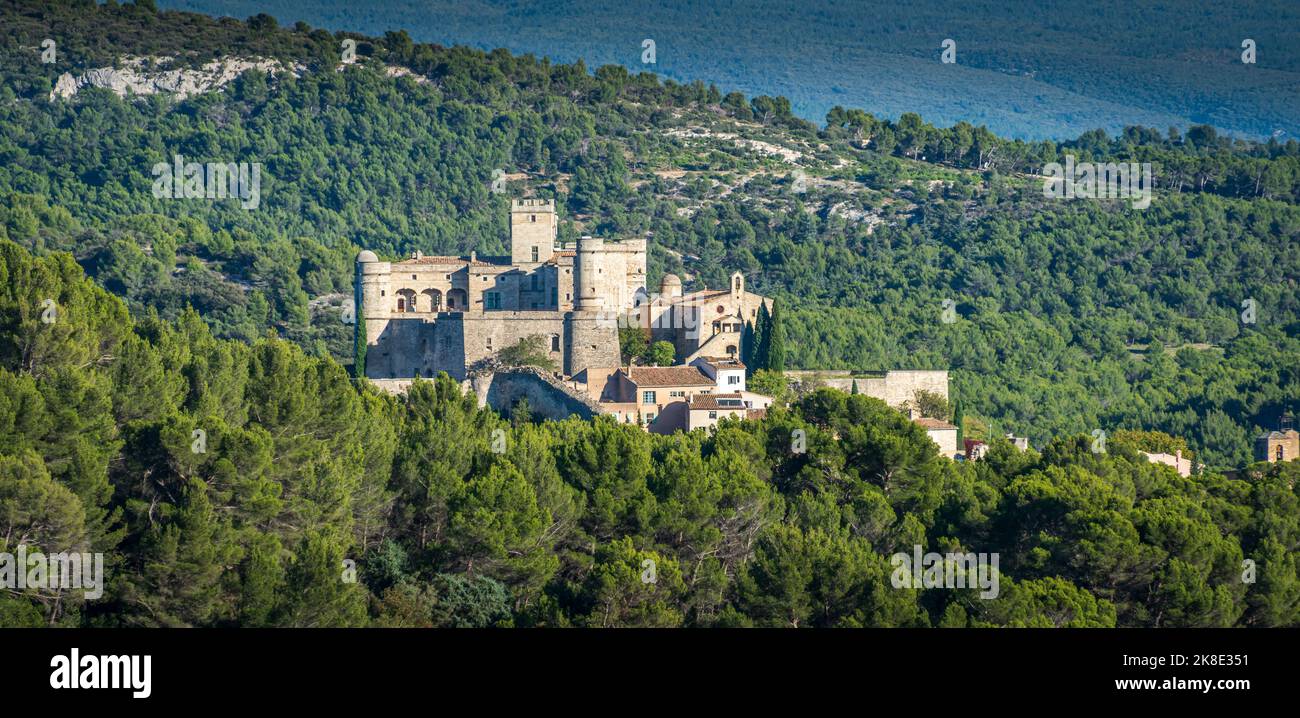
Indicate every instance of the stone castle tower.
{"type": "Point", "coordinates": [427, 314]}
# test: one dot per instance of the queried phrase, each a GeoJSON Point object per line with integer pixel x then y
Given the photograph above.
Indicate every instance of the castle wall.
{"type": "Point", "coordinates": [894, 388]}
{"type": "Point", "coordinates": [487, 333]}
{"type": "Point", "coordinates": [592, 342]}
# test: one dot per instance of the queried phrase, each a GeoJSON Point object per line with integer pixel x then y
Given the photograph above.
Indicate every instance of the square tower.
{"type": "Point", "coordinates": [533, 229]}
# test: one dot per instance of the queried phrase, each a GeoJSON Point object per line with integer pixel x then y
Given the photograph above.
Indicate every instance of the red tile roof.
{"type": "Point", "coordinates": [650, 376]}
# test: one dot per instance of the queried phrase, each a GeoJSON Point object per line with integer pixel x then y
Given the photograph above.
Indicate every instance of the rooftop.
{"type": "Point", "coordinates": [724, 363]}
{"type": "Point", "coordinates": [667, 376]}
{"type": "Point", "coordinates": [716, 401]}
{"type": "Point", "coordinates": [929, 424]}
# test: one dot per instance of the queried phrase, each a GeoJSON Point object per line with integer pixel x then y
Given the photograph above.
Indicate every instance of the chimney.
{"type": "Point", "coordinates": [473, 256]}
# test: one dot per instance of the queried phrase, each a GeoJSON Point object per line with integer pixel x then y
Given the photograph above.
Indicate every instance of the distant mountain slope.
{"type": "Point", "coordinates": [1026, 70]}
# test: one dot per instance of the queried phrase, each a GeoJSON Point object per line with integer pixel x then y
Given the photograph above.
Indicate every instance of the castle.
{"type": "Point", "coordinates": [430, 314]}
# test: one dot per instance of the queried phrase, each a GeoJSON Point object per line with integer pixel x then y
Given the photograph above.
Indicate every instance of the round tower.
{"type": "Point", "coordinates": [588, 270]}
{"type": "Point", "coordinates": [372, 296]}
{"type": "Point", "coordinates": [670, 286]}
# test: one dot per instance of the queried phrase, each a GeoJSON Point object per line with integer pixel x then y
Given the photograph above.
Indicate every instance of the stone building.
{"type": "Point", "coordinates": [429, 314]}
{"type": "Point", "coordinates": [897, 388]}
{"type": "Point", "coordinates": [706, 323]}
{"type": "Point", "coordinates": [943, 434]}
{"type": "Point", "coordinates": [1280, 445]}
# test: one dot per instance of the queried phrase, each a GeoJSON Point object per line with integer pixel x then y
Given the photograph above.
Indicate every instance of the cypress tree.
{"type": "Point", "coordinates": [776, 342]}
{"type": "Point", "coordinates": [762, 327]}
{"type": "Point", "coordinates": [358, 331]}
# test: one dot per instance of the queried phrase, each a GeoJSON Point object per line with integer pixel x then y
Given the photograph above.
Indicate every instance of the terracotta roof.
{"type": "Point", "coordinates": [434, 259]}
{"type": "Point", "coordinates": [1279, 434]}
{"type": "Point", "coordinates": [756, 414]}
{"type": "Point", "coordinates": [700, 296]}
{"type": "Point", "coordinates": [712, 401]}
{"type": "Point", "coordinates": [442, 260]}
{"type": "Point", "coordinates": [926, 422]}
{"type": "Point", "coordinates": [668, 376]}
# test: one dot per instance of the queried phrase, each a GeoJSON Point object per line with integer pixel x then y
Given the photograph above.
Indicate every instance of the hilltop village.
{"type": "Point", "coordinates": [566, 303]}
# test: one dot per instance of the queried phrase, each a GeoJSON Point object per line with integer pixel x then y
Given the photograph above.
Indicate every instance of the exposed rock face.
{"type": "Point", "coordinates": [135, 77]}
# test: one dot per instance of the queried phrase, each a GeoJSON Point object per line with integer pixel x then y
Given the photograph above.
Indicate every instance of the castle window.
{"type": "Point", "coordinates": [489, 342]}
{"type": "Point", "coordinates": [492, 300]}
{"type": "Point", "coordinates": [555, 342]}
{"type": "Point", "coordinates": [1280, 452]}
{"type": "Point", "coordinates": [535, 254]}
{"type": "Point", "coordinates": [532, 218]}
{"type": "Point", "coordinates": [647, 397]}
{"type": "Point", "coordinates": [401, 304]}
{"type": "Point", "coordinates": [414, 277]}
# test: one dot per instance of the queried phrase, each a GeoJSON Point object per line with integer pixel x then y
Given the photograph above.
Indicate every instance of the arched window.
{"type": "Point", "coordinates": [434, 300]}
{"type": "Point", "coordinates": [1281, 451]}
{"type": "Point", "coordinates": [406, 301]}
{"type": "Point", "coordinates": [456, 301]}
{"type": "Point", "coordinates": [731, 351]}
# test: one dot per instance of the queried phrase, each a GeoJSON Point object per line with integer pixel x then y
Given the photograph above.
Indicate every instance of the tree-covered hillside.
{"type": "Point", "coordinates": [1070, 316]}
{"type": "Point", "coordinates": [1026, 69]}
{"type": "Point", "coordinates": [242, 484]}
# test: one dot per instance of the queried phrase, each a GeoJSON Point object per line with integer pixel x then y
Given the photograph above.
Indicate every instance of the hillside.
{"type": "Point", "coordinates": [1027, 70]}
{"type": "Point", "coordinates": [148, 411]}
{"type": "Point", "coordinates": [1073, 316]}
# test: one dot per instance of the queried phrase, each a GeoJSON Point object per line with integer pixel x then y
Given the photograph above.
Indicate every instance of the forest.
{"type": "Point", "coordinates": [301, 469]}
{"type": "Point", "coordinates": [183, 317]}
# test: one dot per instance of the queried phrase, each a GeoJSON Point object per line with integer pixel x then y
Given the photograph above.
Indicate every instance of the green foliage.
{"type": "Point", "coordinates": [1065, 312]}
{"type": "Point", "coordinates": [529, 351]}
{"type": "Point", "coordinates": [661, 353]}
{"type": "Point", "coordinates": [632, 342]}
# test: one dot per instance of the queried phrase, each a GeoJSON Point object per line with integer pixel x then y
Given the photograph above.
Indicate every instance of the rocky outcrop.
{"type": "Point", "coordinates": [136, 76]}
{"type": "Point", "coordinates": [547, 396]}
